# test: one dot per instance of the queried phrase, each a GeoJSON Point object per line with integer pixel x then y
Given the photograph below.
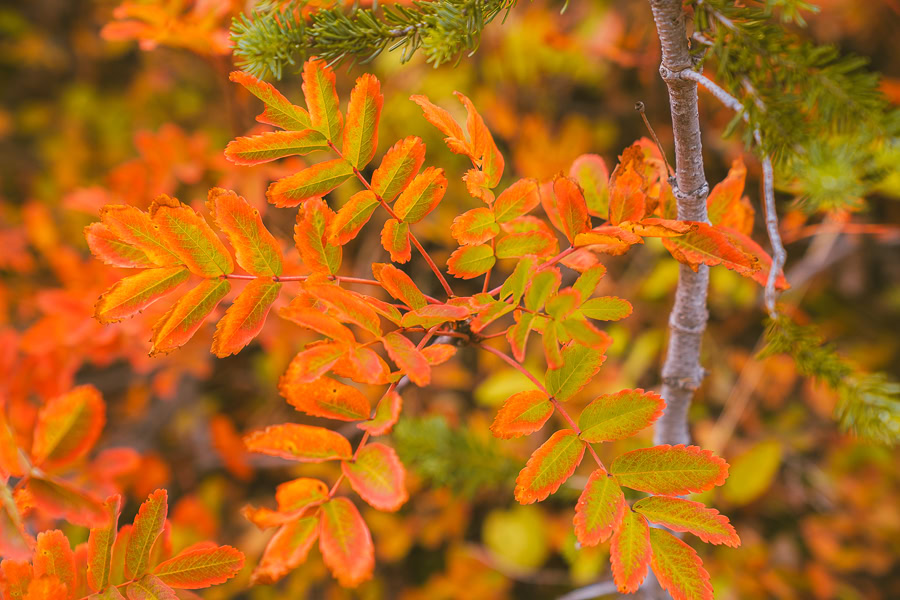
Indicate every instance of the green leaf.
{"type": "Point", "coordinates": [580, 364]}
{"type": "Point", "coordinates": [618, 416]}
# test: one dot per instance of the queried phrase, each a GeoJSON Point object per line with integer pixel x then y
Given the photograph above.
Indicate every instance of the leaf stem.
{"type": "Point", "coordinates": [338, 278]}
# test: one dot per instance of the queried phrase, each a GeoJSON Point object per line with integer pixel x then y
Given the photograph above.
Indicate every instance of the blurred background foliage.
{"type": "Point", "coordinates": [108, 103]}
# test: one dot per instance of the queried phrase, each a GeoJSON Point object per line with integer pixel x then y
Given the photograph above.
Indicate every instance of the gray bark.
{"type": "Point", "coordinates": [682, 373]}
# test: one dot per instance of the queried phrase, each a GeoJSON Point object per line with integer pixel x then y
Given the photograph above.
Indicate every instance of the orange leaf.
{"type": "Point", "coordinates": [15, 542]}
{"type": "Point", "coordinates": [302, 443]}
{"type": "Point", "coordinates": [60, 499]}
{"type": "Point", "coordinates": [300, 493]}
{"type": "Point", "coordinates": [523, 413]}
{"type": "Point", "coordinates": [378, 476]}
{"type": "Point", "coordinates": [200, 568]}
{"type": "Point", "coordinates": [434, 314]}
{"type": "Point", "coordinates": [652, 227]}
{"type": "Point", "coordinates": [345, 542]}
{"type": "Point", "coordinates": [53, 557]}
{"type": "Point", "coordinates": [310, 364]}
{"type": "Point", "coordinates": [629, 552]}
{"type": "Point", "coordinates": [361, 129]}
{"type": "Point", "coordinates": [572, 208]}
{"type": "Point", "coordinates": [279, 112]}
{"type": "Point", "coordinates": [311, 238]}
{"type": "Point", "coordinates": [312, 182]}
{"type": "Point", "coordinates": [607, 239]}
{"type": "Point", "coordinates": [487, 155]}
{"type": "Point", "coordinates": [134, 293]}
{"type": "Point", "coordinates": [590, 171]}
{"type": "Point", "coordinates": [517, 200]}
{"type": "Point", "coordinates": [549, 466]}
{"type": "Point", "coordinates": [245, 318]}
{"type": "Point", "coordinates": [707, 245]}
{"type": "Point", "coordinates": [395, 239]}
{"type": "Point", "coordinates": [317, 321]}
{"type": "Point", "coordinates": [726, 204]}
{"type": "Point", "coordinates": [421, 196]}
{"type": "Point", "coordinates": [149, 587]}
{"type": "Point", "coordinates": [670, 470]}
{"type": "Point", "coordinates": [399, 285]}
{"type": "Point", "coordinates": [325, 397]}
{"type": "Point", "coordinates": [685, 515]}
{"type": "Point", "coordinates": [760, 275]}
{"type": "Point", "coordinates": [15, 577]}
{"type": "Point", "coordinates": [148, 525]}
{"type": "Point", "coordinates": [600, 509]}
{"type": "Point", "coordinates": [678, 568]}
{"type": "Point", "coordinates": [106, 246]}
{"type": "Point", "coordinates": [256, 250]}
{"type": "Point", "coordinates": [322, 99]}
{"type": "Point", "coordinates": [67, 428]}
{"type": "Point", "coordinates": [346, 306]}
{"type": "Point", "coordinates": [190, 237]}
{"type": "Point", "coordinates": [351, 217]}
{"type": "Point", "coordinates": [386, 414]}
{"type": "Point", "coordinates": [446, 124]}
{"type": "Point", "coordinates": [474, 226]}
{"type": "Point", "coordinates": [186, 316]}
{"type": "Point", "coordinates": [134, 227]}
{"type": "Point", "coordinates": [398, 168]}
{"type": "Point", "coordinates": [437, 354]}
{"type": "Point", "coordinates": [468, 262]}
{"type": "Point", "coordinates": [287, 550]}
{"type": "Point", "coordinates": [408, 358]}
{"type": "Point", "coordinates": [272, 145]}
{"type": "Point", "coordinates": [627, 201]}
{"type": "Point", "coordinates": [612, 417]}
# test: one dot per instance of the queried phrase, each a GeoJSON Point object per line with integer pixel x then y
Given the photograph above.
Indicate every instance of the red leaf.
{"type": "Point", "coordinates": [399, 285]}
{"type": "Point", "coordinates": [395, 239]}
{"type": "Point", "coordinates": [302, 443]}
{"type": "Point", "coordinates": [386, 415]}
{"type": "Point", "coordinates": [573, 212]}
{"type": "Point", "coordinates": [325, 397]}
{"type": "Point", "coordinates": [378, 476]}
{"type": "Point", "coordinates": [61, 499]}
{"type": "Point", "coordinates": [629, 552]}
{"type": "Point", "coordinates": [148, 525]}
{"type": "Point", "coordinates": [200, 568]}
{"type": "Point", "coordinates": [67, 428]}
{"type": "Point", "coordinates": [549, 466]}
{"type": "Point", "coordinates": [523, 413]}
{"type": "Point", "coordinates": [245, 318]}
{"type": "Point", "coordinates": [361, 128]}
{"type": "Point", "coordinates": [710, 246]}
{"type": "Point", "coordinates": [600, 509]}
{"type": "Point", "coordinates": [100, 545]}
{"type": "Point", "coordinates": [287, 549]}
{"type": "Point", "coordinates": [678, 568]}
{"type": "Point", "coordinates": [670, 470]}
{"type": "Point", "coordinates": [685, 515]}
{"type": "Point", "coordinates": [408, 358]}
{"type": "Point", "coordinates": [345, 542]}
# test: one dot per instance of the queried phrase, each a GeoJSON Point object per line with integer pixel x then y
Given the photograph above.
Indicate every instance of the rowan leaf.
{"type": "Point", "coordinates": [550, 341]}
{"type": "Point", "coordinates": [438, 354]}
{"type": "Point", "coordinates": [361, 128]}
{"type": "Point", "coordinates": [600, 509]}
{"type": "Point", "coordinates": [580, 364]}
{"type": "Point", "coordinates": [107, 247]}
{"type": "Point", "coordinates": [322, 99]}
{"type": "Point", "coordinates": [398, 168]}
{"type": "Point", "coordinates": [606, 308]}
{"type": "Point", "coordinates": [186, 316]}
{"type": "Point", "coordinates": [523, 413]}
{"type": "Point", "coordinates": [346, 306]}
{"type": "Point", "coordinates": [587, 282]}
{"type": "Point", "coordinates": [272, 145]}
{"type": "Point", "coordinates": [279, 111]}
{"type": "Point", "coordinates": [190, 237]}
{"type": "Point", "coordinates": [45, 588]}
{"type": "Point", "coordinates": [60, 499]}
{"type": "Point", "coordinates": [378, 476]}
{"type": "Point", "coordinates": [200, 568]}
{"type": "Point", "coordinates": [726, 204]}
{"type": "Point", "coordinates": [67, 428]}
{"type": "Point", "coordinates": [627, 200]}
{"type": "Point", "coordinates": [629, 552]}
{"type": "Point", "coordinates": [303, 443]}
{"type": "Point", "coordinates": [345, 542]}
{"type": "Point", "coordinates": [100, 546]}
{"type": "Point", "coordinates": [311, 238]}
{"type": "Point", "coordinates": [351, 217]}
{"type": "Point", "coordinates": [287, 550]}
{"type": "Point", "coordinates": [518, 335]}
{"type": "Point", "coordinates": [245, 318]}
{"type": "Point", "coordinates": [678, 568]}
{"type": "Point", "coordinates": [583, 332]}
{"type": "Point", "coordinates": [135, 227]}
{"type": "Point", "coordinates": [386, 414]}
{"type": "Point", "coordinates": [148, 525]}
{"type": "Point", "coordinates": [607, 239]}
{"type": "Point", "coordinates": [408, 358]}
{"type": "Point", "coordinates": [549, 466]}
{"type": "Point", "coordinates": [53, 557]}
{"type": "Point", "coordinates": [707, 245]}
{"type": "Point", "coordinates": [764, 262]}
{"type": "Point", "coordinates": [110, 593]}
{"type": "Point", "coordinates": [15, 577]}
{"type": "Point", "coordinates": [134, 293]}
{"type": "Point", "coordinates": [325, 397]}
{"type": "Point", "coordinates": [618, 416]}
{"type": "Point", "coordinates": [678, 514]}
{"type": "Point", "coordinates": [494, 311]}
{"type": "Point", "coordinates": [591, 173]}
{"type": "Point", "coordinates": [421, 196]}
{"type": "Point", "coordinates": [486, 154]}
{"type": "Point", "coordinates": [670, 470]}
{"type": "Point", "coordinates": [15, 542]}
{"type": "Point", "coordinates": [541, 287]}
{"type": "Point", "coordinates": [310, 364]}
{"type": "Point", "coordinates": [514, 286]}
{"type": "Point", "coordinates": [468, 262]}
{"type": "Point", "coordinates": [300, 493]}
{"type": "Point", "coordinates": [517, 245]}
{"type": "Point", "coordinates": [395, 239]}
{"type": "Point", "coordinates": [149, 587]}
{"type": "Point", "coordinates": [399, 285]}
{"type": "Point", "coordinates": [517, 200]}
{"type": "Point", "coordinates": [474, 226]}
{"type": "Point", "coordinates": [652, 227]}
{"type": "Point", "coordinates": [446, 124]}
{"type": "Point", "coordinates": [256, 250]}
{"type": "Point", "coordinates": [560, 305]}
{"type": "Point", "coordinates": [312, 182]}
{"type": "Point", "coordinates": [317, 321]}
{"type": "Point", "coordinates": [572, 208]}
